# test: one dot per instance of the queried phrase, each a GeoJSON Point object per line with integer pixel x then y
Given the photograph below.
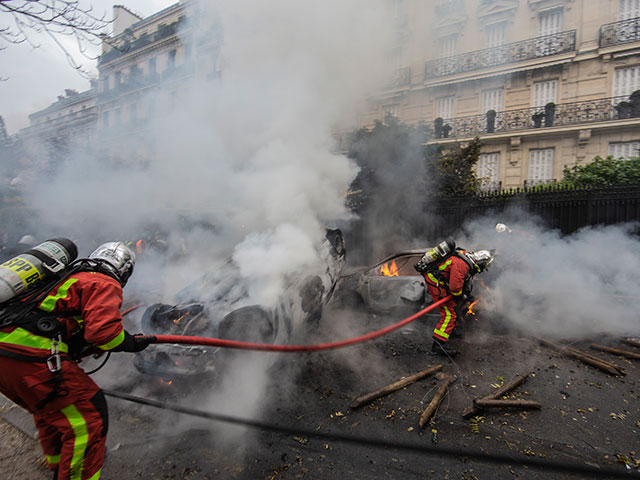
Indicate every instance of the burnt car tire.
{"type": "Point", "coordinates": [247, 324]}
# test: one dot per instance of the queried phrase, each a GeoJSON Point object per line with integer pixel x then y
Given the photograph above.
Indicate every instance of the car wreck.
{"type": "Point", "coordinates": [217, 306]}
{"type": "Point", "coordinates": [391, 285]}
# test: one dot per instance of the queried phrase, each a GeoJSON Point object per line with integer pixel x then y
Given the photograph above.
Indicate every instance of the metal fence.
{"type": "Point", "coordinates": [564, 209]}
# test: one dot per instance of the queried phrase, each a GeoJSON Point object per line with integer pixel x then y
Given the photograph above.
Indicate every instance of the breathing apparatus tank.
{"type": "Point", "coordinates": [436, 254]}
{"type": "Point", "coordinates": [23, 271]}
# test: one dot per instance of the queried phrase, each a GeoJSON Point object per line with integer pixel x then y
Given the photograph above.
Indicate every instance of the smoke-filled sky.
{"type": "Point", "coordinates": [35, 77]}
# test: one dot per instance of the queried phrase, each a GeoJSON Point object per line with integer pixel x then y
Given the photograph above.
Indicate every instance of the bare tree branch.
{"type": "Point", "coordinates": [25, 20]}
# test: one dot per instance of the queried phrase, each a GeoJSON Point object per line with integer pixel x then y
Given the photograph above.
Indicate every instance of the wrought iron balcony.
{"type": "Point", "coordinates": [560, 115]}
{"type": "Point", "coordinates": [615, 33]}
{"type": "Point", "coordinates": [400, 78]}
{"type": "Point", "coordinates": [532, 48]}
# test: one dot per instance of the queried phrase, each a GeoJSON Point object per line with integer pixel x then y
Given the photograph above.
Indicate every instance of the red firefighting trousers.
{"type": "Point", "coordinates": [72, 427]}
{"type": "Point", "coordinates": [448, 315]}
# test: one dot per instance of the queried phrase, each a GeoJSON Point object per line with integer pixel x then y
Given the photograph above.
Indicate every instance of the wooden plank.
{"type": "Point", "coordinates": [369, 397]}
{"type": "Point", "coordinates": [473, 410]}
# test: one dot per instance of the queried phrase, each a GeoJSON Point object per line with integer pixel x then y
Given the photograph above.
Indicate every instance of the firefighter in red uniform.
{"type": "Point", "coordinates": [452, 276]}
{"type": "Point", "coordinates": [39, 367]}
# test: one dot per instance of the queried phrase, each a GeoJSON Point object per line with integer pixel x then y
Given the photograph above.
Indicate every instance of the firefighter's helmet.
{"type": "Point", "coordinates": [117, 259]}
{"type": "Point", "coordinates": [481, 259]}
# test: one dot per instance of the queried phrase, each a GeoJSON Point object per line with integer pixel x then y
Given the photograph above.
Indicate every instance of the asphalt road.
{"type": "Point", "coordinates": [588, 417]}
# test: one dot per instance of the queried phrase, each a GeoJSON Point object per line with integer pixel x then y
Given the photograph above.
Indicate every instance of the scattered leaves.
{"type": "Point", "coordinates": [617, 416]}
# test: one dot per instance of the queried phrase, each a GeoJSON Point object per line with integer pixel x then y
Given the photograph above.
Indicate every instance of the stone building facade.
{"type": "Point", "coordinates": [543, 83]}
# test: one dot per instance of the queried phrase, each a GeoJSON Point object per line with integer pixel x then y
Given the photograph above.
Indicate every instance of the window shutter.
{"type": "Point", "coordinates": [550, 23]}
{"type": "Point", "coordinates": [495, 34]}
{"type": "Point", "coordinates": [541, 165]}
{"type": "Point", "coordinates": [492, 100]}
{"type": "Point", "coordinates": [545, 92]}
{"type": "Point", "coordinates": [444, 107]}
{"type": "Point", "coordinates": [488, 165]}
{"type": "Point", "coordinates": [628, 9]}
{"type": "Point", "coordinates": [624, 149]}
{"type": "Point", "coordinates": [626, 81]}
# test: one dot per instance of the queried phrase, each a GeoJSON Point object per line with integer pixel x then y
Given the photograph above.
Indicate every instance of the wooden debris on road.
{"type": "Point", "coordinates": [437, 398]}
{"type": "Point", "coordinates": [632, 342]}
{"type": "Point", "coordinates": [369, 397]}
{"type": "Point", "coordinates": [615, 351]}
{"type": "Point", "coordinates": [473, 409]}
{"type": "Point", "coordinates": [506, 403]}
{"type": "Point", "coordinates": [584, 357]}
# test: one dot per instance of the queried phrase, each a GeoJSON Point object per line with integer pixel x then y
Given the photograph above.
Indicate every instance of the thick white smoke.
{"type": "Point", "coordinates": [546, 283]}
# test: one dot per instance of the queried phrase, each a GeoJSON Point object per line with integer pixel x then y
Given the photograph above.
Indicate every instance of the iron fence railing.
{"type": "Point", "coordinates": [532, 48]}
{"type": "Point", "coordinates": [562, 114]}
{"type": "Point", "coordinates": [624, 31]}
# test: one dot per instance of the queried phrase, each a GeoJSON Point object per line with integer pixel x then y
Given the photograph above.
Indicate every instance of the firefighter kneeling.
{"type": "Point", "coordinates": [45, 333]}
{"type": "Point", "coordinates": [448, 270]}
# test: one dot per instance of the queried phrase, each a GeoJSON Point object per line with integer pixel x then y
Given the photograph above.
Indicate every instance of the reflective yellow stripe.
{"type": "Point", "coordinates": [49, 303]}
{"type": "Point", "coordinates": [456, 293]}
{"type": "Point", "coordinates": [80, 441]}
{"type": "Point", "coordinates": [433, 279]}
{"type": "Point", "coordinates": [53, 459]}
{"type": "Point", "coordinates": [96, 476]}
{"type": "Point", "coordinates": [447, 319]}
{"type": "Point", "coordinates": [445, 264]}
{"type": "Point", "coordinates": [79, 320]}
{"type": "Point", "coordinates": [113, 343]}
{"type": "Point", "coordinates": [27, 339]}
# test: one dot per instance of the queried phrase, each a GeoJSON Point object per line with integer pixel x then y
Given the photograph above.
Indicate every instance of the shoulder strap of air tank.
{"type": "Point", "coordinates": [462, 256]}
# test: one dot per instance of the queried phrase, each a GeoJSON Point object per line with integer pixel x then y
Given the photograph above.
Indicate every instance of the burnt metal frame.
{"type": "Point", "coordinates": [544, 46]}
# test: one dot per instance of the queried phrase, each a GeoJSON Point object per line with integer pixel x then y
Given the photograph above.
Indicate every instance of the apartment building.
{"type": "Point", "coordinates": [144, 69]}
{"type": "Point", "coordinates": [543, 83]}
{"type": "Point", "coordinates": [67, 123]}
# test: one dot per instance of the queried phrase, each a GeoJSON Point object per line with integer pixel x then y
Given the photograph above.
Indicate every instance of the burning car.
{"type": "Point", "coordinates": [217, 306]}
{"type": "Point", "coordinates": [392, 285]}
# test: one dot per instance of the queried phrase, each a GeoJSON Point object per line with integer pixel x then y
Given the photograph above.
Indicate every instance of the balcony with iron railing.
{"type": "Point", "coordinates": [616, 33]}
{"type": "Point", "coordinates": [399, 78]}
{"type": "Point", "coordinates": [560, 115]}
{"type": "Point", "coordinates": [539, 47]}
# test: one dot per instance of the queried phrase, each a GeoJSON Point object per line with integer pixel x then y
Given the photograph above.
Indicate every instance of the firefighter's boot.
{"type": "Point", "coordinates": [441, 348]}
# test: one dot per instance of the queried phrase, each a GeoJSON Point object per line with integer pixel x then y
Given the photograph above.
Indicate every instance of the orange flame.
{"type": "Point", "coordinates": [470, 310]}
{"type": "Point", "coordinates": [177, 320]}
{"type": "Point", "coordinates": [389, 270]}
{"type": "Point", "coordinates": [166, 382]}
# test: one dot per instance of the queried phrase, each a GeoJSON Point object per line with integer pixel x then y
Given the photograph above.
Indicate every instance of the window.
{"type": "Point", "coordinates": [625, 149]}
{"type": "Point", "coordinates": [171, 61]}
{"type": "Point", "coordinates": [392, 110]}
{"type": "Point", "coordinates": [540, 166]}
{"type": "Point", "coordinates": [116, 116]}
{"type": "Point", "coordinates": [545, 92]}
{"type": "Point", "coordinates": [133, 112]}
{"type": "Point", "coordinates": [492, 100]}
{"type": "Point", "coordinates": [447, 46]}
{"type": "Point", "coordinates": [488, 165]}
{"type": "Point", "coordinates": [105, 119]}
{"type": "Point", "coordinates": [626, 81]}
{"type": "Point", "coordinates": [628, 9]}
{"type": "Point", "coordinates": [444, 107]}
{"type": "Point", "coordinates": [152, 66]}
{"type": "Point", "coordinates": [117, 79]}
{"type": "Point", "coordinates": [105, 83]}
{"type": "Point", "coordinates": [495, 34]}
{"type": "Point", "coordinates": [550, 22]}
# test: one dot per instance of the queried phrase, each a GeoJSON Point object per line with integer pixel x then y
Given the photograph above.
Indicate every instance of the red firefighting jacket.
{"type": "Point", "coordinates": [452, 275]}
{"type": "Point", "coordinates": [88, 301]}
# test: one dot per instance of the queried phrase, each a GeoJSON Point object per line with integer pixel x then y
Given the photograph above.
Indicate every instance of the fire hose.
{"type": "Point", "coordinates": [267, 347]}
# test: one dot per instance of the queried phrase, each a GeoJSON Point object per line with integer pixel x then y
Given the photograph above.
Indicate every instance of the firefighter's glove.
{"type": "Point", "coordinates": [79, 347]}
{"type": "Point", "coordinates": [420, 267]}
{"type": "Point", "coordinates": [134, 343]}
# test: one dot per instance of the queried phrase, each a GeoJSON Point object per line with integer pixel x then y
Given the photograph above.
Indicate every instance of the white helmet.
{"type": "Point", "coordinates": [117, 259]}
{"type": "Point", "coordinates": [481, 259]}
